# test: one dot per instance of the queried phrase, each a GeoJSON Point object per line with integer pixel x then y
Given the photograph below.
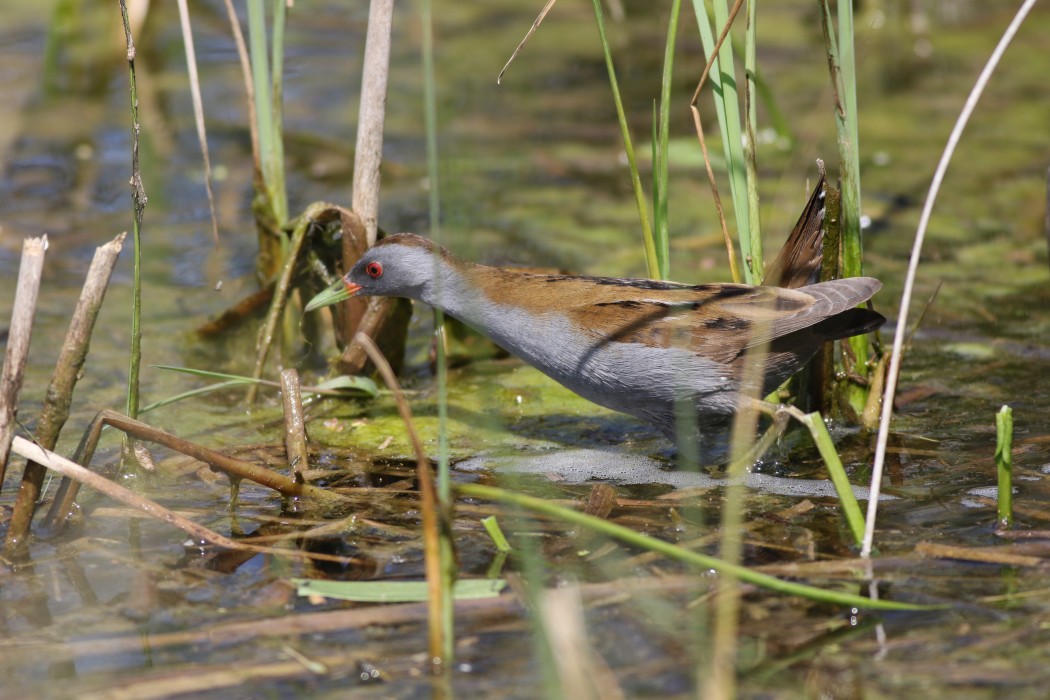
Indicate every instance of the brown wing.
{"type": "Point", "coordinates": [718, 321]}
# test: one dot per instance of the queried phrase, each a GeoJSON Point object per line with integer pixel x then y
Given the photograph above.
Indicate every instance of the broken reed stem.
{"type": "Point", "coordinates": [368, 156]}
{"type": "Point", "coordinates": [71, 470]}
{"type": "Point", "coordinates": [371, 114]}
{"type": "Point", "coordinates": [19, 334]}
{"type": "Point", "coordinates": [60, 391]}
{"type": "Point", "coordinates": [234, 468]}
{"type": "Point", "coordinates": [294, 424]}
{"type": "Point", "coordinates": [437, 634]}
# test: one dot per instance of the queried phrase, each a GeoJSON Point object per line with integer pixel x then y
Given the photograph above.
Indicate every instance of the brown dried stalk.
{"type": "Point", "coordinates": [21, 330]}
{"type": "Point", "coordinates": [60, 391]}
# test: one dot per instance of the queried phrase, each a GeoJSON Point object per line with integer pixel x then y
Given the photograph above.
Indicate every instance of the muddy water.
{"type": "Point", "coordinates": [530, 173]}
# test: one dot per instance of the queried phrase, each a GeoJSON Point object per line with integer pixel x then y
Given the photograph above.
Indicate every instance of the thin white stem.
{"type": "Point", "coordinates": [198, 109]}
{"type": "Point", "coordinates": [913, 267]}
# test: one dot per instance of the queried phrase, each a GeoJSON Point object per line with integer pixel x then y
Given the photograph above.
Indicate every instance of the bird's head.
{"type": "Point", "coordinates": [397, 266]}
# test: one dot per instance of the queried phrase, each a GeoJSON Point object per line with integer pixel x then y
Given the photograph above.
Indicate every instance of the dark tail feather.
{"type": "Point", "coordinates": [798, 262]}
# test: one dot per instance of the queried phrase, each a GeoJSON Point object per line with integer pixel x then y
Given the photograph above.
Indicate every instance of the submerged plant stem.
{"type": "Point", "coordinates": [294, 424]}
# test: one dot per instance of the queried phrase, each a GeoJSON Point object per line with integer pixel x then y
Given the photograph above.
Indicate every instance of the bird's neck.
{"type": "Point", "coordinates": [514, 310]}
{"type": "Point", "coordinates": [458, 289]}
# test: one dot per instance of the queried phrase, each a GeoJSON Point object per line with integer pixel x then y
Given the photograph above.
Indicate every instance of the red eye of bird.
{"type": "Point", "coordinates": [374, 270]}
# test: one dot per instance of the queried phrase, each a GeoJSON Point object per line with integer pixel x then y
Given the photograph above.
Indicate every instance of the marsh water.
{"type": "Point", "coordinates": [531, 172]}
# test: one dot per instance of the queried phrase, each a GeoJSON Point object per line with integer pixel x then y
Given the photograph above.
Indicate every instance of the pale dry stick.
{"type": "Point", "coordinates": [535, 25]}
{"type": "Point", "coordinates": [249, 86]}
{"type": "Point", "coordinates": [368, 156]}
{"type": "Point", "coordinates": [19, 334]}
{"type": "Point", "coordinates": [71, 470]}
{"type": "Point", "coordinates": [294, 423]}
{"type": "Point", "coordinates": [985, 555]}
{"type": "Point", "coordinates": [216, 679]}
{"type": "Point", "coordinates": [720, 679]}
{"type": "Point", "coordinates": [848, 569]}
{"type": "Point", "coordinates": [582, 673]}
{"type": "Point", "coordinates": [703, 142]}
{"type": "Point", "coordinates": [59, 394]}
{"type": "Point", "coordinates": [913, 268]}
{"type": "Point", "coordinates": [616, 10]}
{"type": "Point", "coordinates": [368, 160]}
{"type": "Point", "coordinates": [198, 110]}
{"type": "Point", "coordinates": [429, 500]}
